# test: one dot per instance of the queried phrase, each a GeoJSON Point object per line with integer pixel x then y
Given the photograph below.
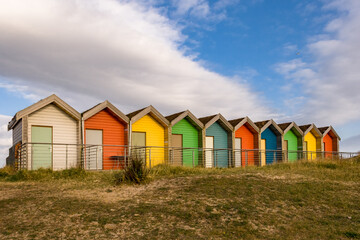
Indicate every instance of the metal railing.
{"type": "Point", "coordinates": [112, 157]}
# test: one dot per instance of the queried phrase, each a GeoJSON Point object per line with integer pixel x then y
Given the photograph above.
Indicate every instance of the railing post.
{"type": "Point", "coordinates": [97, 157]}
{"type": "Point", "coordinates": [310, 155]}
{"type": "Point", "coordinates": [125, 157]}
{"type": "Point", "coordinates": [149, 157]}
{"type": "Point", "coordinates": [216, 159]}
{"type": "Point", "coordinates": [246, 158]}
{"type": "Point", "coordinates": [274, 157]}
{"type": "Point", "coordinates": [66, 157]}
{"type": "Point", "coordinates": [193, 158]}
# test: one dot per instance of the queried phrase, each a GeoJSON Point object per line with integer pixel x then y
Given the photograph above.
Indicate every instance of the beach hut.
{"type": "Point", "coordinates": [50, 133]}
{"type": "Point", "coordinates": [149, 135]}
{"type": "Point", "coordinates": [312, 141]}
{"type": "Point", "coordinates": [270, 141]}
{"type": "Point", "coordinates": [245, 142]}
{"type": "Point", "coordinates": [217, 140]}
{"type": "Point", "coordinates": [105, 135]}
{"type": "Point", "coordinates": [186, 138]}
{"type": "Point", "coordinates": [292, 141]}
{"type": "Point", "coordinates": [330, 141]}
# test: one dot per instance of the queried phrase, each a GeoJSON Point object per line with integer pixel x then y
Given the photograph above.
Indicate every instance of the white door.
{"type": "Point", "coordinates": [94, 153]}
{"type": "Point", "coordinates": [209, 152]}
{"type": "Point", "coordinates": [263, 152]}
{"type": "Point", "coordinates": [237, 152]}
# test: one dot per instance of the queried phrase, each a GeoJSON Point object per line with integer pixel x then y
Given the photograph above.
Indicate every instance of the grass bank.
{"type": "Point", "coordinates": [305, 200]}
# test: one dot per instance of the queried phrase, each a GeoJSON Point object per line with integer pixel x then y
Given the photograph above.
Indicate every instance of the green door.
{"type": "Point", "coordinates": [41, 137]}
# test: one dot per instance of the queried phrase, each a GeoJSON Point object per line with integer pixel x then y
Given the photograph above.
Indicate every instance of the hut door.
{"type": "Point", "coordinates": [41, 137]}
{"type": "Point", "coordinates": [286, 147]}
{"type": "Point", "coordinates": [263, 152]}
{"type": "Point", "coordinates": [177, 142]}
{"type": "Point", "coordinates": [138, 143]}
{"type": "Point", "coordinates": [209, 154]}
{"type": "Point", "coordinates": [94, 150]}
{"type": "Point", "coordinates": [237, 152]}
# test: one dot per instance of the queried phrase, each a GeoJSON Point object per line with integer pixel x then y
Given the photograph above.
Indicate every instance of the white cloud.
{"type": "Point", "coordinates": [332, 78]}
{"type": "Point", "coordinates": [5, 139]}
{"type": "Point", "coordinates": [91, 50]}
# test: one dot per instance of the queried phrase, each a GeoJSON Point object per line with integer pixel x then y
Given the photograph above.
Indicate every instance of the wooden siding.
{"type": "Point", "coordinates": [292, 140]}
{"type": "Point", "coordinates": [272, 144]}
{"type": "Point", "coordinates": [155, 137]}
{"type": "Point", "coordinates": [17, 133]}
{"type": "Point", "coordinates": [247, 143]}
{"type": "Point", "coordinates": [221, 157]}
{"type": "Point", "coordinates": [328, 140]}
{"type": "Point", "coordinates": [311, 145]}
{"type": "Point", "coordinates": [113, 134]}
{"type": "Point", "coordinates": [190, 139]}
{"type": "Point", "coordinates": [65, 130]}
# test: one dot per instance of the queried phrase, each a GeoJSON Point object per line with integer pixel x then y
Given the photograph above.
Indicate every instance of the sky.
{"type": "Point", "coordinates": [288, 60]}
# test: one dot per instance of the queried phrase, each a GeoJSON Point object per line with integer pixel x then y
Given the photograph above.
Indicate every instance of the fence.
{"type": "Point", "coordinates": [111, 157]}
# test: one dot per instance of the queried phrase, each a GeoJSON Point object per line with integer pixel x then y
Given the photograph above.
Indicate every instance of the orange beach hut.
{"type": "Point", "coordinates": [105, 135]}
{"type": "Point", "coordinates": [245, 137]}
{"type": "Point", "coordinates": [330, 140]}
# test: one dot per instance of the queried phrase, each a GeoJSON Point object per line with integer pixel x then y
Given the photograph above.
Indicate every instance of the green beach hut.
{"type": "Point", "coordinates": [186, 139]}
{"type": "Point", "coordinates": [292, 140]}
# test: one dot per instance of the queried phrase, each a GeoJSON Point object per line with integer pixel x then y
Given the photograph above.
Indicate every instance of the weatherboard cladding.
{"type": "Point", "coordinates": [328, 140]}
{"type": "Point", "coordinates": [65, 130]}
{"type": "Point", "coordinates": [190, 136]}
{"type": "Point", "coordinates": [247, 142]}
{"type": "Point", "coordinates": [113, 134]}
{"type": "Point", "coordinates": [292, 140]}
{"type": "Point", "coordinates": [271, 144]}
{"type": "Point", "coordinates": [17, 133]}
{"type": "Point", "coordinates": [155, 137]}
{"type": "Point", "coordinates": [220, 142]}
{"type": "Point", "coordinates": [310, 139]}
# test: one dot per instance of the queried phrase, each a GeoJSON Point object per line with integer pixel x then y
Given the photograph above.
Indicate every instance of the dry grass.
{"type": "Point", "coordinates": [319, 200]}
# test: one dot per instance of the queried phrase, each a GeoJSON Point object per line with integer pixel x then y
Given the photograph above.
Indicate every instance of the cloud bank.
{"type": "Point", "coordinates": [331, 80]}
{"type": "Point", "coordinates": [117, 50]}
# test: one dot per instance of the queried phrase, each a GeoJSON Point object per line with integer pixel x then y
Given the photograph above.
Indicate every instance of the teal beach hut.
{"type": "Point", "coordinates": [217, 141]}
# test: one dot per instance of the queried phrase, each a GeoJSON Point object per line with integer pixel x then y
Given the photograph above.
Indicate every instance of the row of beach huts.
{"type": "Point", "coordinates": [51, 128]}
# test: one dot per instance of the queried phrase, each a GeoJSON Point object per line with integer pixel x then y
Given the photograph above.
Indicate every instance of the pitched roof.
{"type": "Point", "coordinates": [283, 126]}
{"type": "Point", "coordinates": [261, 123]}
{"type": "Point", "coordinates": [173, 116]}
{"type": "Point", "coordinates": [207, 119]}
{"type": "Point", "coordinates": [235, 122]}
{"type": "Point", "coordinates": [328, 129]}
{"type": "Point", "coordinates": [176, 117]}
{"type": "Point", "coordinates": [210, 120]}
{"type": "Point", "coordinates": [105, 105]}
{"type": "Point", "coordinates": [310, 128]}
{"type": "Point", "coordinates": [323, 129]}
{"type": "Point", "coordinates": [52, 99]}
{"type": "Point", "coordinates": [304, 127]}
{"type": "Point", "coordinates": [132, 114]}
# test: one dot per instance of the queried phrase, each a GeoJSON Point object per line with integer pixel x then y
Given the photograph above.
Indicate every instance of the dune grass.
{"type": "Point", "coordinates": [303, 200]}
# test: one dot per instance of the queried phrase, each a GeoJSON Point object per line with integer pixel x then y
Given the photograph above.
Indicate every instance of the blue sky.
{"type": "Point", "coordinates": [287, 60]}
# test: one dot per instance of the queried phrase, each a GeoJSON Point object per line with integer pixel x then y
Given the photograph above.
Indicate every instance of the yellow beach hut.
{"type": "Point", "coordinates": [149, 135]}
{"type": "Point", "coordinates": [312, 141]}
